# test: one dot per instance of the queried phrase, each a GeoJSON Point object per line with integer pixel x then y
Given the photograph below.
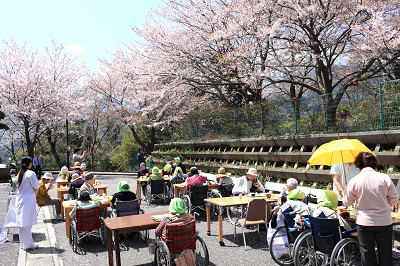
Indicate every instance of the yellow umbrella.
{"type": "Point", "coordinates": [338, 152]}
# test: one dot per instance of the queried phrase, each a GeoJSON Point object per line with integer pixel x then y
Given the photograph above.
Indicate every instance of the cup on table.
{"type": "Point", "coordinates": [240, 195]}
{"type": "Point", "coordinates": [268, 195]}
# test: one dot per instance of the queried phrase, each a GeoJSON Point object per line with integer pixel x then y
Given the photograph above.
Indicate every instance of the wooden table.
{"type": "Point", "coordinates": [232, 201]}
{"type": "Point", "coordinates": [139, 187]}
{"type": "Point", "coordinates": [127, 224]}
{"type": "Point", "coordinates": [64, 190]}
{"type": "Point", "coordinates": [61, 191]}
{"type": "Point", "coordinates": [67, 208]}
{"type": "Point", "coordinates": [182, 186]}
{"type": "Point", "coordinates": [61, 182]}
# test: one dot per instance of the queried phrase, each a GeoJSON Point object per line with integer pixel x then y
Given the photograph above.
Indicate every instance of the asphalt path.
{"type": "Point", "coordinates": [135, 252]}
{"type": "Point", "coordinates": [8, 250]}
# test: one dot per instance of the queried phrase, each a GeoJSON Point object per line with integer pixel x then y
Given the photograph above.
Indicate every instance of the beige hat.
{"type": "Point", "coordinates": [77, 165]}
{"type": "Point", "coordinates": [47, 175]}
{"type": "Point", "coordinates": [222, 172]}
{"type": "Point", "coordinates": [252, 171]}
{"type": "Point", "coordinates": [75, 176]}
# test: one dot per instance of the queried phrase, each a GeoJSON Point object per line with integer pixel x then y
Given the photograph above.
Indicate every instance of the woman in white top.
{"type": "Point", "coordinates": [28, 186]}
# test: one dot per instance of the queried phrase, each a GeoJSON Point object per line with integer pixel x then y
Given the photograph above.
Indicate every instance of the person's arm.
{"type": "Point", "coordinates": [337, 184]}
{"type": "Point", "coordinates": [238, 186]}
{"type": "Point", "coordinates": [34, 182]}
{"type": "Point", "coordinates": [349, 198]}
{"type": "Point", "coordinates": [161, 226]}
{"type": "Point", "coordinates": [393, 194]}
{"type": "Point", "coordinates": [260, 187]}
{"type": "Point", "coordinates": [83, 155]}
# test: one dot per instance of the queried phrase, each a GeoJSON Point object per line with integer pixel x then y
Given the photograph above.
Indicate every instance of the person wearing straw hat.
{"type": "Point", "coordinates": [76, 183]}
{"type": "Point", "coordinates": [77, 168]}
{"type": "Point", "coordinates": [177, 215]}
{"type": "Point", "coordinates": [43, 197]}
{"type": "Point", "coordinates": [248, 183]}
{"type": "Point", "coordinates": [224, 177]}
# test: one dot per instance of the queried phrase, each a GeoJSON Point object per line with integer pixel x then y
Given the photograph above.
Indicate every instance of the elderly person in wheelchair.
{"type": "Point", "coordinates": [327, 204]}
{"type": "Point", "coordinates": [178, 238]}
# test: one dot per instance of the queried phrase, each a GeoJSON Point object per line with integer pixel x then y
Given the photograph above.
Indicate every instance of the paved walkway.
{"type": "Point", "coordinates": [43, 235]}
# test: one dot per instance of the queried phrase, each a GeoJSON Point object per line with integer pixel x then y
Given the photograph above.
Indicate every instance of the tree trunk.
{"type": "Point", "coordinates": [53, 141]}
{"type": "Point", "coordinates": [139, 141]}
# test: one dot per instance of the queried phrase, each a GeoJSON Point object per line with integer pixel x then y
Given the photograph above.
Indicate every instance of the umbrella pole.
{"type": "Point", "coordinates": [344, 169]}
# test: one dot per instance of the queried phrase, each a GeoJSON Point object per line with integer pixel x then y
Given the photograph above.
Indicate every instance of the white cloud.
{"type": "Point", "coordinates": [76, 48]}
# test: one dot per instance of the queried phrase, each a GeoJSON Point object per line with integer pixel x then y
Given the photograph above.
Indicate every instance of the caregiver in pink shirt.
{"type": "Point", "coordinates": [373, 194]}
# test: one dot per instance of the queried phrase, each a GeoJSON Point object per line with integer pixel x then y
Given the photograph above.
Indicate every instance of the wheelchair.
{"type": "Point", "coordinates": [326, 244]}
{"type": "Point", "coordinates": [178, 179]}
{"type": "Point", "coordinates": [194, 199]}
{"type": "Point", "coordinates": [179, 238]}
{"type": "Point", "coordinates": [132, 207]}
{"type": "Point", "coordinates": [87, 222]}
{"type": "Point", "coordinates": [157, 189]}
{"type": "Point", "coordinates": [281, 252]}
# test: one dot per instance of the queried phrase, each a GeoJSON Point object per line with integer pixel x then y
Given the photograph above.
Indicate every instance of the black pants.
{"type": "Point", "coordinates": [38, 171]}
{"type": "Point", "coordinates": [382, 236]}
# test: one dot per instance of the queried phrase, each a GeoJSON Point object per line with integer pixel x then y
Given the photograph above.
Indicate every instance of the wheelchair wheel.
{"type": "Point", "coordinates": [162, 255]}
{"type": "Point", "coordinates": [74, 237]}
{"type": "Point", "coordinates": [148, 195]}
{"type": "Point", "coordinates": [186, 199]}
{"type": "Point", "coordinates": [171, 192]}
{"type": "Point", "coordinates": [304, 252]}
{"type": "Point", "coordinates": [396, 242]}
{"type": "Point", "coordinates": [279, 247]}
{"type": "Point", "coordinates": [144, 235]}
{"type": "Point", "coordinates": [103, 233]}
{"type": "Point", "coordinates": [346, 252]}
{"type": "Point", "coordinates": [166, 196]}
{"type": "Point", "coordinates": [234, 213]}
{"type": "Point", "coordinates": [201, 252]}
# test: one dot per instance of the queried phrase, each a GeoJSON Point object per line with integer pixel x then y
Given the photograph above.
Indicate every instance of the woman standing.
{"type": "Point", "coordinates": [28, 186]}
{"type": "Point", "coordinates": [373, 194]}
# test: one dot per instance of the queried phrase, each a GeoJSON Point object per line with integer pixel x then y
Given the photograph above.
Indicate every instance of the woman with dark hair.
{"type": "Point", "coordinates": [28, 186]}
{"type": "Point", "coordinates": [374, 195]}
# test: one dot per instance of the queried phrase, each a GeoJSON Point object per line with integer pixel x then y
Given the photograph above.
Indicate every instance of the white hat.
{"type": "Point", "coordinates": [47, 175]}
{"type": "Point", "coordinates": [252, 171]}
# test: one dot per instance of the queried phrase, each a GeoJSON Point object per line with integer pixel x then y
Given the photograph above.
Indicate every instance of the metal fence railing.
{"type": "Point", "coordinates": [361, 108]}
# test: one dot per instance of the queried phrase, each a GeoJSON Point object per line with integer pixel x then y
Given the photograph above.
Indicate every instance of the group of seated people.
{"type": "Point", "coordinates": [291, 200]}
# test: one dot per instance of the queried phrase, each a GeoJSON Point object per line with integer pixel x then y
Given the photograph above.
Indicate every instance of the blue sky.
{"type": "Point", "coordinates": [87, 28]}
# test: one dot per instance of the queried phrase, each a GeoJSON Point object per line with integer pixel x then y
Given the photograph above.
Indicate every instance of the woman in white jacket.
{"type": "Point", "coordinates": [28, 186]}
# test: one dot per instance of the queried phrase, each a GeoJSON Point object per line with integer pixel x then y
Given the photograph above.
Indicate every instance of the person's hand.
{"type": "Point", "coordinates": [276, 209]}
{"type": "Point", "coordinates": [341, 193]}
{"type": "Point", "coordinates": [51, 185]}
{"type": "Point", "coordinates": [284, 189]}
{"type": "Point", "coordinates": [147, 174]}
{"type": "Point", "coordinates": [257, 184]}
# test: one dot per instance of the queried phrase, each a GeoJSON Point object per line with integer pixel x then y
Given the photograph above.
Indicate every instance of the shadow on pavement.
{"type": "Point", "coordinates": [46, 250]}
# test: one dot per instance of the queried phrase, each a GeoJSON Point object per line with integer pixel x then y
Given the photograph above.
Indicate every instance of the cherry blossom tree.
{"type": "Point", "coordinates": [140, 93]}
{"type": "Point", "coordinates": [36, 88]}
